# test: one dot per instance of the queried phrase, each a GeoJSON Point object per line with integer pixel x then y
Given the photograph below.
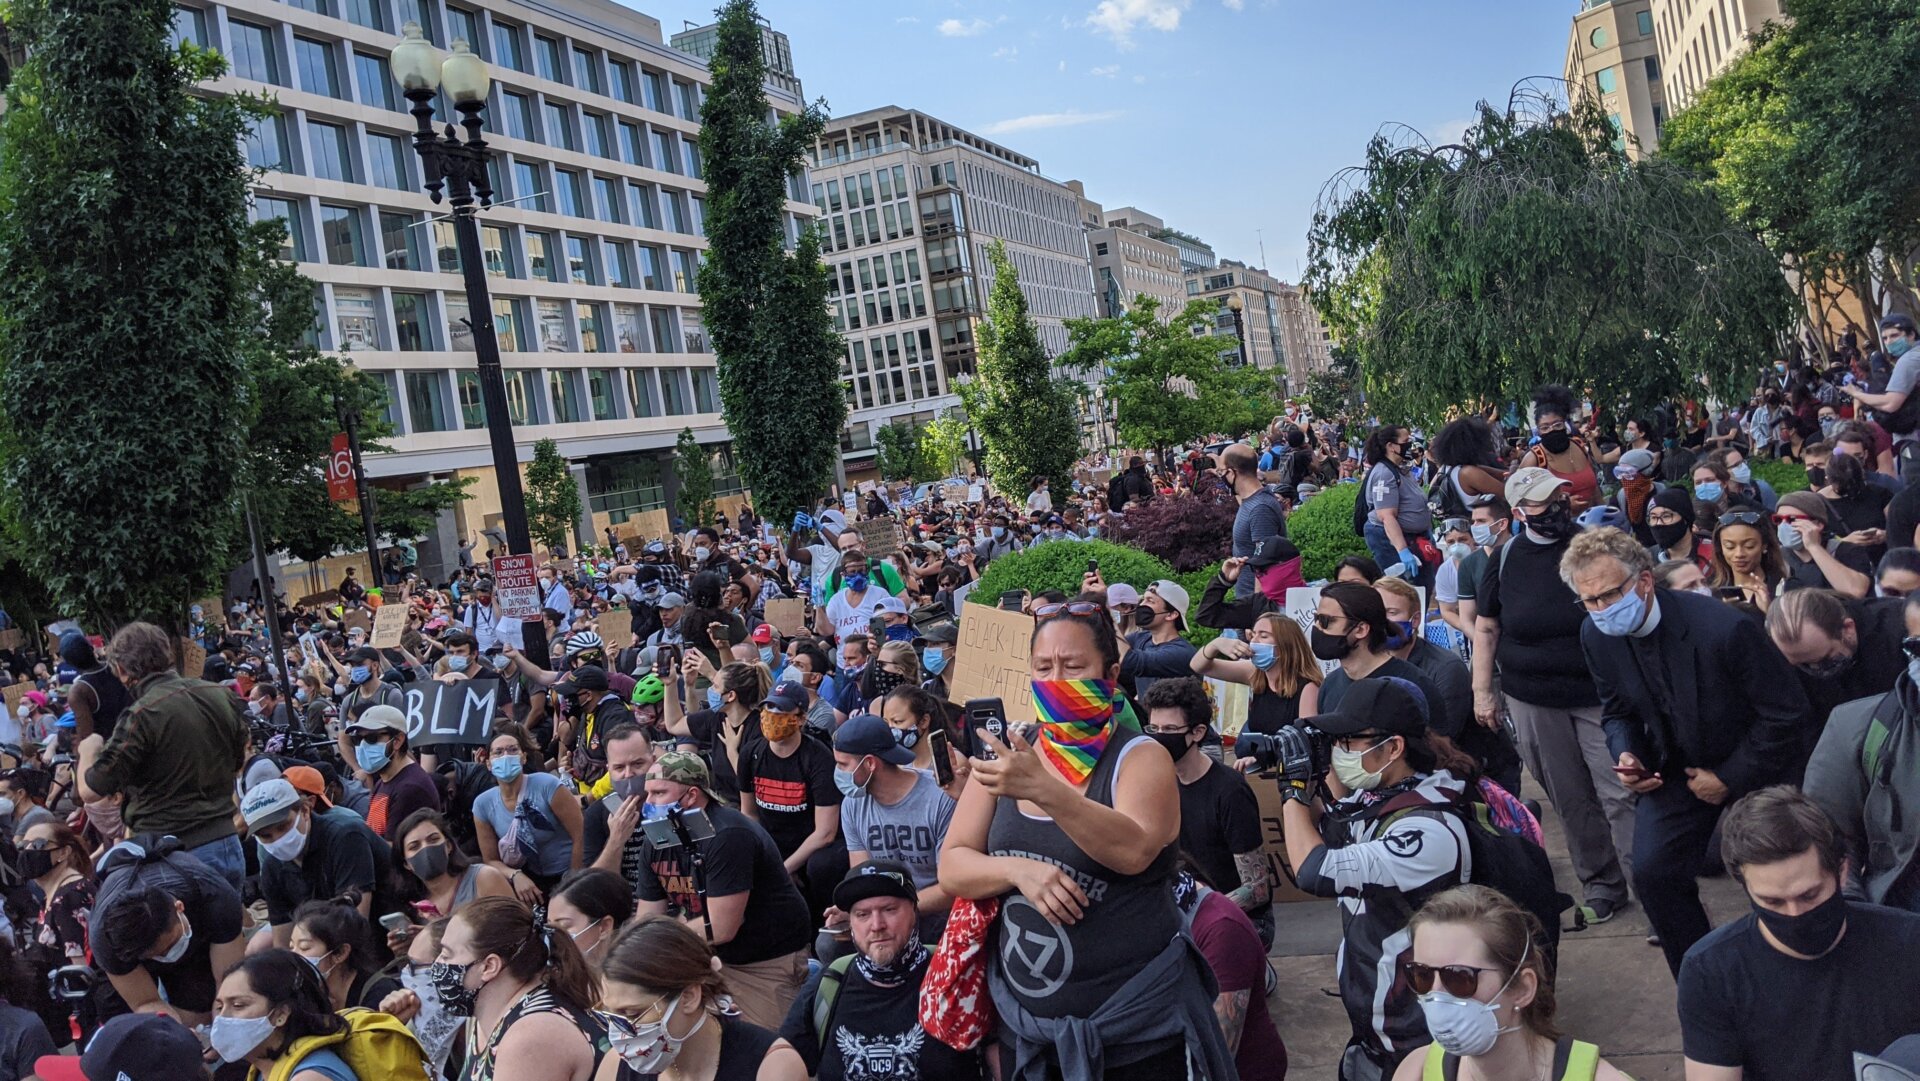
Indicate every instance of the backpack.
{"type": "Point", "coordinates": [1443, 496]}
{"type": "Point", "coordinates": [1504, 860]}
{"type": "Point", "coordinates": [374, 1045]}
{"type": "Point", "coordinates": [827, 995]}
{"type": "Point", "coordinates": [1877, 769]}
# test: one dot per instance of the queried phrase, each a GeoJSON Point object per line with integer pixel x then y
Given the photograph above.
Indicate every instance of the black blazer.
{"type": "Point", "coordinates": [1739, 708]}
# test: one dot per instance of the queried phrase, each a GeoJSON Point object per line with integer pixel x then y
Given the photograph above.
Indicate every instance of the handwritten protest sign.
{"type": "Point", "coordinates": [991, 659]}
{"type": "Point", "coordinates": [1274, 838]}
{"type": "Point", "coordinates": [358, 619]}
{"type": "Point", "coordinates": [389, 623]}
{"type": "Point", "coordinates": [788, 615]}
{"type": "Point", "coordinates": [193, 658]}
{"type": "Point", "coordinates": [616, 629]}
{"type": "Point", "coordinates": [882, 536]}
{"type": "Point", "coordinates": [457, 712]}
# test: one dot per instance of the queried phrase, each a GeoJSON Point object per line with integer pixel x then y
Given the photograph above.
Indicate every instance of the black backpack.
{"type": "Point", "coordinates": [1503, 861]}
{"type": "Point", "coordinates": [1117, 491]}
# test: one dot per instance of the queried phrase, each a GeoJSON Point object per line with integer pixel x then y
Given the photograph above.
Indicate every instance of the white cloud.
{"type": "Point", "coordinates": [1118, 18]}
{"type": "Point", "coordinates": [1007, 52]}
{"type": "Point", "coordinates": [1105, 71]}
{"type": "Point", "coordinates": [1036, 121]}
{"type": "Point", "coordinates": [954, 28]}
{"type": "Point", "coordinates": [1140, 80]}
{"type": "Point", "coordinates": [1453, 131]}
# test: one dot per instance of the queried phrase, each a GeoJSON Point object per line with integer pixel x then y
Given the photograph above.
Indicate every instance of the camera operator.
{"type": "Point", "coordinates": [1381, 765]}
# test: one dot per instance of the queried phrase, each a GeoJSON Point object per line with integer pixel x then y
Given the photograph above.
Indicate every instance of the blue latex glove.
{"type": "Point", "coordinates": [1411, 563]}
{"type": "Point", "coordinates": [801, 521]}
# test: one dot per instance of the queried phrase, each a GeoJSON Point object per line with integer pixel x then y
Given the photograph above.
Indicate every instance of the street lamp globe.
{"type": "Point", "coordinates": [1234, 303]}
{"type": "Point", "coordinates": [465, 75]}
{"type": "Point", "coordinates": [415, 63]}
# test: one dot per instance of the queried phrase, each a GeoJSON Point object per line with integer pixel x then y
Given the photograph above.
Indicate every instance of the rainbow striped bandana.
{"type": "Point", "coordinates": [1076, 720]}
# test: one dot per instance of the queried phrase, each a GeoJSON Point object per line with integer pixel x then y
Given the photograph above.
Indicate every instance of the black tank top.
{"type": "Point", "coordinates": [743, 1045]}
{"type": "Point", "coordinates": [1269, 712]}
{"type": "Point", "coordinates": [111, 698]}
{"type": "Point", "coordinates": [1070, 971]}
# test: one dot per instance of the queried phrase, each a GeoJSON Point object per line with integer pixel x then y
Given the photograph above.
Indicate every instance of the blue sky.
{"type": "Point", "coordinates": [1223, 117]}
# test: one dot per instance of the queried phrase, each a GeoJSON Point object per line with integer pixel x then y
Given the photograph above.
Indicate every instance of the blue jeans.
{"type": "Point", "coordinates": [1388, 557]}
{"type": "Point", "coordinates": [225, 857]}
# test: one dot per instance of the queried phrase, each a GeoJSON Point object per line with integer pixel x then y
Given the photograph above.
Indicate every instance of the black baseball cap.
{"type": "Point", "coordinates": [1381, 704]}
{"type": "Point", "coordinates": [131, 1047]}
{"type": "Point", "coordinates": [1271, 550]}
{"type": "Point", "coordinates": [587, 677]}
{"type": "Point", "coordinates": [874, 878]}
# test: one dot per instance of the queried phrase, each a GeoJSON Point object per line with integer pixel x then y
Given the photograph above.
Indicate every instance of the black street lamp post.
{"type": "Point", "coordinates": [1236, 306]}
{"type": "Point", "coordinates": [460, 167]}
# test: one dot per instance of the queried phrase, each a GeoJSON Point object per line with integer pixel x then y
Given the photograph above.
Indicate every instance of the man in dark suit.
{"type": "Point", "coordinates": [1699, 709]}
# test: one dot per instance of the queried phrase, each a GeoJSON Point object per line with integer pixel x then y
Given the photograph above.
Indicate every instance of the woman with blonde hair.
{"type": "Point", "coordinates": [1486, 989]}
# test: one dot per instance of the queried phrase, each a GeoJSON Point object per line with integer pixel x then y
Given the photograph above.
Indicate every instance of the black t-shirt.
{"type": "Point", "coordinates": [873, 1034]}
{"type": "Point", "coordinates": [1219, 819]}
{"type": "Point", "coordinates": [596, 830]}
{"type": "Point", "coordinates": [1270, 712]}
{"type": "Point", "coordinates": [1539, 652]}
{"type": "Point", "coordinates": [1903, 517]}
{"type": "Point", "coordinates": [1745, 1004]}
{"type": "Point", "coordinates": [341, 854]}
{"type": "Point", "coordinates": [785, 791]}
{"type": "Point", "coordinates": [705, 724]}
{"type": "Point", "coordinates": [1868, 510]}
{"type": "Point", "coordinates": [1337, 683]}
{"type": "Point", "coordinates": [1806, 574]}
{"type": "Point", "coordinates": [212, 910]}
{"type": "Point", "coordinates": [740, 858]}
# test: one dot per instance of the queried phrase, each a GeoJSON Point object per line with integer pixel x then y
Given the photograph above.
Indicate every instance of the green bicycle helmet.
{"type": "Point", "coordinates": [649, 690]}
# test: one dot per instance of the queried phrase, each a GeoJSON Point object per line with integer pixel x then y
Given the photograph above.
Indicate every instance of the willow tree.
{"type": "Point", "coordinates": [1534, 251]}
{"type": "Point", "coordinates": [123, 309]}
{"type": "Point", "coordinates": [766, 307]}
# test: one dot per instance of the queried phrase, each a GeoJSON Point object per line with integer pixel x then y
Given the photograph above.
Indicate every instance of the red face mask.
{"type": "Point", "coordinates": [1274, 581]}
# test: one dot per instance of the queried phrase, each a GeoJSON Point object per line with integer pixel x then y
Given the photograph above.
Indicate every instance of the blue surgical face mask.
{"type": "Point", "coordinates": [999, 531]}
{"type": "Point", "coordinates": [458, 662]}
{"type": "Point", "coordinates": [359, 673]}
{"type": "Point", "coordinates": [843, 780]}
{"type": "Point", "coordinates": [1709, 492]}
{"type": "Point", "coordinates": [372, 757]}
{"type": "Point", "coordinates": [934, 661]}
{"type": "Point", "coordinates": [766, 656]}
{"type": "Point", "coordinates": [1789, 536]}
{"type": "Point", "coordinates": [1899, 346]}
{"type": "Point", "coordinates": [1263, 655]}
{"type": "Point", "coordinates": [1623, 616]}
{"type": "Point", "coordinates": [716, 700]}
{"type": "Point", "coordinates": [505, 767]}
{"type": "Point", "coordinates": [1742, 473]}
{"type": "Point", "coordinates": [1484, 535]}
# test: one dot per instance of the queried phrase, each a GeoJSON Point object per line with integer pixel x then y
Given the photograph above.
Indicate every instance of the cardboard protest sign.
{"type": "Point", "coordinates": [389, 623]}
{"type": "Point", "coordinates": [313, 600]}
{"type": "Point", "coordinates": [358, 618]}
{"type": "Point", "coordinates": [954, 493]}
{"type": "Point", "coordinates": [1230, 702]}
{"type": "Point", "coordinates": [616, 629]}
{"type": "Point", "coordinates": [516, 586]}
{"type": "Point", "coordinates": [882, 536]}
{"type": "Point", "coordinates": [1274, 841]}
{"type": "Point", "coordinates": [15, 694]}
{"type": "Point", "coordinates": [12, 638]}
{"type": "Point", "coordinates": [976, 493]}
{"type": "Point", "coordinates": [193, 658]}
{"type": "Point", "coordinates": [991, 659]}
{"type": "Point", "coordinates": [788, 615]}
{"type": "Point", "coordinates": [458, 712]}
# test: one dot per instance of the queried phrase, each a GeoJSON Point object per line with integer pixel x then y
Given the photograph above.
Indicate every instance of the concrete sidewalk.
{"type": "Point", "coordinates": [1613, 987]}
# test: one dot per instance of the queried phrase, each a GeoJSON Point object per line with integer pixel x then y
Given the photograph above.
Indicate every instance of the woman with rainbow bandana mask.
{"type": "Point", "coordinates": [1073, 830]}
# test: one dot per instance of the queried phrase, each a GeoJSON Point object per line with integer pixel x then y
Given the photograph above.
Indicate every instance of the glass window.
{"type": "Point", "coordinates": [317, 73]}
{"type": "Point", "coordinates": [674, 390]}
{"type": "Point", "coordinates": [626, 329]}
{"type": "Point", "coordinates": [427, 401]}
{"type": "Point", "coordinates": [643, 200]}
{"type": "Point", "coordinates": [387, 161]}
{"type": "Point", "coordinates": [410, 322]}
{"type": "Point", "coordinates": [567, 192]}
{"type": "Point", "coordinates": [688, 97]}
{"type": "Point", "coordinates": [623, 81]}
{"type": "Point", "coordinates": [1606, 80]}
{"type": "Point", "coordinates": [676, 218]}
{"type": "Point", "coordinates": [603, 392]}
{"type": "Point", "coordinates": [632, 147]}
{"type": "Point", "coordinates": [327, 148]}
{"type": "Point", "coordinates": [422, 12]}
{"type": "Point", "coordinates": [530, 188]}
{"type": "Point", "coordinates": [400, 241]}
{"type": "Point", "coordinates": [371, 14]}
{"type": "Point", "coordinates": [493, 249]}
{"type": "Point", "coordinates": [691, 147]}
{"type": "Point", "coordinates": [592, 328]}
{"type": "Point", "coordinates": [663, 152]}
{"type": "Point", "coordinates": [518, 121]}
{"type": "Point", "coordinates": [473, 404]}
{"type": "Point", "coordinates": [642, 392]}
{"type": "Point", "coordinates": [655, 85]}
{"type": "Point", "coordinates": [340, 233]}
{"type": "Point", "coordinates": [652, 275]}
{"type": "Point", "coordinates": [509, 327]}
{"type": "Point", "coordinates": [376, 82]}
{"type": "Point", "coordinates": [523, 397]}
{"type": "Point", "coordinates": [579, 261]}
{"type": "Point", "coordinates": [266, 144]}
{"type": "Point", "coordinates": [597, 127]}
{"type": "Point", "coordinates": [547, 52]}
{"type": "Point", "coordinates": [606, 192]}
{"type": "Point", "coordinates": [539, 261]}
{"type": "Point", "coordinates": [553, 328]}
{"type": "Point", "coordinates": [565, 386]}
{"type": "Point", "coordinates": [559, 128]}
{"type": "Point", "coordinates": [660, 321]}
{"type": "Point", "coordinates": [292, 214]}
{"type": "Point", "coordinates": [684, 271]}
{"type": "Point", "coordinates": [506, 46]}
{"type": "Point", "coordinates": [459, 324]}
{"type": "Point", "coordinates": [189, 25]}
{"type": "Point", "coordinates": [706, 390]}
{"type": "Point", "coordinates": [694, 331]}
{"type": "Point", "coordinates": [1653, 69]}
{"type": "Point", "coordinates": [619, 267]}
{"type": "Point", "coordinates": [1599, 37]}
{"type": "Point", "coordinates": [356, 324]}
{"type": "Point", "coordinates": [1643, 20]}
{"type": "Point", "coordinates": [586, 71]}
{"type": "Point", "coordinates": [254, 56]}
{"type": "Point", "coordinates": [699, 216]}
{"type": "Point", "coordinates": [446, 247]}
{"type": "Point", "coordinates": [462, 26]}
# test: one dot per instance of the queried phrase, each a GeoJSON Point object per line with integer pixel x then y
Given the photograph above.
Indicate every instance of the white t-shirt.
{"type": "Point", "coordinates": [853, 618]}
{"type": "Point", "coordinates": [490, 629]}
{"type": "Point", "coordinates": [826, 560]}
{"type": "Point", "coordinates": [1040, 502]}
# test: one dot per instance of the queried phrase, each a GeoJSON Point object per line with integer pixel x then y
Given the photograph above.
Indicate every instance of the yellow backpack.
{"type": "Point", "coordinates": [376, 1045]}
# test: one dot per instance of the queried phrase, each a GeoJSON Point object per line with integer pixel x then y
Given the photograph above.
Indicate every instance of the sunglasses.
{"type": "Point", "coordinates": [1460, 981]}
{"type": "Point", "coordinates": [1072, 608]}
{"type": "Point", "coordinates": [357, 737]}
{"type": "Point", "coordinates": [1779, 518]}
{"type": "Point", "coordinates": [1742, 517]}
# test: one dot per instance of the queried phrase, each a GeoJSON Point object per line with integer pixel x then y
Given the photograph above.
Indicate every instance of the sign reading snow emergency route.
{"type": "Point", "coordinates": [516, 586]}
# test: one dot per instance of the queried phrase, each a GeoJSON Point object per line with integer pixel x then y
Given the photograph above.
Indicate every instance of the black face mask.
{"type": "Point", "coordinates": [1811, 933]}
{"type": "Point", "coordinates": [1175, 743]}
{"type": "Point", "coordinates": [1329, 647]}
{"type": "Point", "coordinates": [1556, 442]}
{"type": "Point", "coordinates": [1555, 523]}
{"type": "Point", "coordinates": [877, 682]}
{"type": "Point", "coordinates": [1144, 616]}
{"type": "Point", "coordinates": [1666, 536]}
{"type": "Point", "coordinates": [428, 863]}
{"type": "Point", "coordinates": [36, 862]}
{"type": "Point", "coordinates": [1816, 476]}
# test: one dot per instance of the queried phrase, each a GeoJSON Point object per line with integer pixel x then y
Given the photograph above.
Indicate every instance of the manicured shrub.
{"type": "Point", "coordinates": [1061, 564]}
{"type": "Point", "coordinates": [1323, 531]}
{"type": "Point", "coordinates": [1188, 531]}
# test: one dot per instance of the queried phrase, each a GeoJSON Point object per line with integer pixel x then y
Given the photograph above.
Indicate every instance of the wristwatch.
{"type": "Point", "coordinates": [1296, 791]}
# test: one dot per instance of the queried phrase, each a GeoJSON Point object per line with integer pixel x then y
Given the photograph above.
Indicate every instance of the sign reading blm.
{"type": "Point", "coordinates": [458, 712]}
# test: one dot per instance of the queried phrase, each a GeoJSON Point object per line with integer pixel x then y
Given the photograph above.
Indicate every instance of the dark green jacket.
{"type": "Point", "coordinates": [176, 753]}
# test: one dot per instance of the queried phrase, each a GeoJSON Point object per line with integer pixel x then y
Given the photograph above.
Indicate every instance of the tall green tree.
{"type": "Point", "coordinates": [1025, 416]}
{"type": "Point", "coordinates": [123, 312]}
{"type": "Point", "coordinates": [778, 355]}
{"type": "Point", "coordinates": [897, 452]}
{"type": "Point", "coordinates": [1536, 252]}
{"type": "Point", "coordinates": [693, 469]}
{"type": "Point", "coordinates": [943, 443]}
{"type": "Point", "coordinates": [1168, 378]}
{"type": "Point", "coordinates": [553, 497]}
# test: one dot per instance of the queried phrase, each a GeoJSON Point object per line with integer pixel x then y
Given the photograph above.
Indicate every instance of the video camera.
{"type": "Point", "coordinates": [1299, 752]}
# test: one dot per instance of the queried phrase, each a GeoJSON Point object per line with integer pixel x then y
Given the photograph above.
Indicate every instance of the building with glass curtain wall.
{"type": "Point", "coordinates": [592, 247]}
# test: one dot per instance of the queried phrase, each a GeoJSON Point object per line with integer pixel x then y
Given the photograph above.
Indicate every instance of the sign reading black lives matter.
{"type": "Point", "coordinates": [458, 712]}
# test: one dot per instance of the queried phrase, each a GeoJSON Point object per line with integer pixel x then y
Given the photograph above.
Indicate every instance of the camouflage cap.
{"type": "Point", "coordinates": [683, 767]}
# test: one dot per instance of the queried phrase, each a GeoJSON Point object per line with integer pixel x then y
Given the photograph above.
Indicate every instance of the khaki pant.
{"type": "Point", "coordinates": [765, 990]}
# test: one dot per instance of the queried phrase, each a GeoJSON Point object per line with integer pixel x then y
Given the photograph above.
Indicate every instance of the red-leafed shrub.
{"type": "Point", "coordinates": [1188, 531]}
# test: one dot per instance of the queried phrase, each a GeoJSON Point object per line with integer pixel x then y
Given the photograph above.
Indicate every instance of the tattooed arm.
{"type": "Point", "coordinates": [1253, 890]}
{"type": "Point", "coordinates": [1231, 1010]}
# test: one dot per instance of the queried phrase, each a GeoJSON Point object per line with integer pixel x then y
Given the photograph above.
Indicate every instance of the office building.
{"type": "Point", "coordinates": [909, 204]}
{"type": "Point", "coordinates": [1614, 61]}
{"type": "Point", "coordinates": [1699, 38]}
{"type": "Point", "coordinates": [591, 248]}
{"type": "Point", "coordinates": [701, 41]}
{"type": "Point", "coordinates": [1195, 254]}
{"type": "Point", "coordinates": [1278, 330]}
{"type": "Point", "coordinates": [1129, 262]}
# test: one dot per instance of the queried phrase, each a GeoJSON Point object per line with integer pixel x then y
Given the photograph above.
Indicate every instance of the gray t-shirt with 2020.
{"type": "Point", "coordinates": [909, 831]}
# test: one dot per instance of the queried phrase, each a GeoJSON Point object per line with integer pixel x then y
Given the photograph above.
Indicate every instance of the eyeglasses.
{"type": "Point", "coordinates": [1742, 517]}
{"type": "Point", "coordinates": [1325, 622]}
{"type": "Point", "coordinates": [1152, 731]}
{"type": "Point", "coordinates": [1607, 597]}
{"type": "Point", "coordinates": [357, 737]}
{"type": "Point", "coordinates": [1072, 608]}
{"type": "Point", "coordinates": [1460, 981]}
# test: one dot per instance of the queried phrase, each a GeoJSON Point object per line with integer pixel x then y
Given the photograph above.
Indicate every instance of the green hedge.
{"type": "Point", "coordinates": [1323, 531]}
{"type": "Point", "coordinates": [1196, 584]}
{"type": "Point", "coordinates": [1061, 564]}
{"type": "Point", "coordinates": [1784, 476]}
